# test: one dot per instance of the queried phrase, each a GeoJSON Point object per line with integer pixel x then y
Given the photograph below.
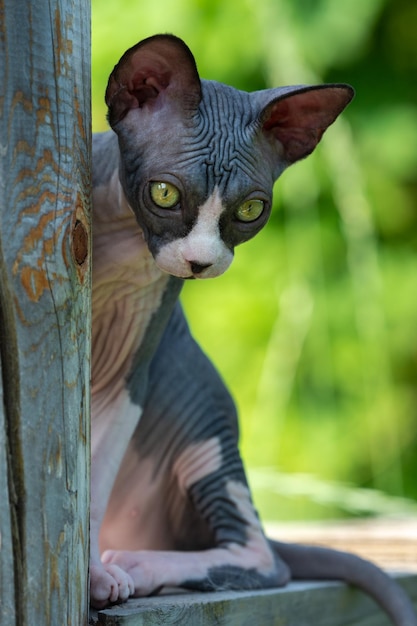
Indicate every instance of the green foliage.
{"type": "Point", "coordinates": [314, 326]}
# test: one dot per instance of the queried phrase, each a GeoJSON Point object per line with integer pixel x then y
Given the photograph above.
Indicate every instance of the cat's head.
{"type": "Point", "coordinates": [199, 158]}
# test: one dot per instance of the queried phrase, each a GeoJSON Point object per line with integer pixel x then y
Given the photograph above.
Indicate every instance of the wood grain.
{"type": "Point", "coordinates": [299, 604]}
{"type": "Point", "coordinates": [44, 311]}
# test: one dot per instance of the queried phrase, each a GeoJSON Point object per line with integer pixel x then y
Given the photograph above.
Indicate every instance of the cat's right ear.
{"type": "Point", "coordinates": [156, 71]}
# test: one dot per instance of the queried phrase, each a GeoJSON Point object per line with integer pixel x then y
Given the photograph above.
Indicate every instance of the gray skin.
{"type": "Point", "coordinates": [170, 502]}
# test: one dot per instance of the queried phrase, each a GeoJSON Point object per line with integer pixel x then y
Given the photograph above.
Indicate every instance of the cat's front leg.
{"type": "Point", "coordinates": [183, 515]}
{"type": "Point", "coordinates": [239, 557]}
{"type": "Point", "coordinates": [112, 424]}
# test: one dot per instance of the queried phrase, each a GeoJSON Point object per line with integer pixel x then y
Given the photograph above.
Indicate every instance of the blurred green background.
{"type": "Point", "coordinates": [314, 327]}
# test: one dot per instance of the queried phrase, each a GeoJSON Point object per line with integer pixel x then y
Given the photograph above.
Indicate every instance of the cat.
{"type": "Point", "coordinates": [185, 175]}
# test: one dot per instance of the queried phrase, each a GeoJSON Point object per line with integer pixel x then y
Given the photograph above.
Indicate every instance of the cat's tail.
{"type": "Point", "coordinates": [316, 563]}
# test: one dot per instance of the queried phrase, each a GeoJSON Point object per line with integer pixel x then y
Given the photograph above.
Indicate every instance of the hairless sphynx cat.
{"type": "Point", "coordinates": [186, 174]}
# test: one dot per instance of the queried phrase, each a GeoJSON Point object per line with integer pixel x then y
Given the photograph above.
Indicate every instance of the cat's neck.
{"type": "Point", "coordinates": [119, 247]}
{"type": "Point", "coordinates": [127, 285]}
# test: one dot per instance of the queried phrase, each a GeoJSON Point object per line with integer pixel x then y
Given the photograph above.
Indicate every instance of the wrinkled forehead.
{"type": "Point", "coordinates": [237, 153]}
{"type": "Point", "coordinates": [227, 132]}
{"type": "Point", "coordinates": [219, 146]}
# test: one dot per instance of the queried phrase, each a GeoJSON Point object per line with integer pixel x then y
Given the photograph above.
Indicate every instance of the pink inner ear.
{"type": "Point", "coordinates": [297, 112]}
{"type": "Point", "coordinates": [298, 121]}
{"type": "Point", "coordinates": [147, 84]}
{"type": "Point", "coordinates": [162, 63]}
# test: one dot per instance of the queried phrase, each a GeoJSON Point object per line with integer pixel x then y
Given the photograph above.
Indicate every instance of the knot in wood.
{"type": "Point", "coordinates": [79, 242]}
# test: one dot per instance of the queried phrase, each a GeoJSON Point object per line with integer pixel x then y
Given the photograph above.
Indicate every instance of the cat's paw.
{"type": "Point", "coordinates": [109, 583]}
{"type": "Point", "coordinates": [147, 569]}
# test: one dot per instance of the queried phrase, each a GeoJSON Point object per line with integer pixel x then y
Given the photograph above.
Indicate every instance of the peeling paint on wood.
{"type": "Point", "coordinates": [45, 133]}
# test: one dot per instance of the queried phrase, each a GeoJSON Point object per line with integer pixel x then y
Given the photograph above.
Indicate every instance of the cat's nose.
{"type": "Point", "coordinates": [197, 268]}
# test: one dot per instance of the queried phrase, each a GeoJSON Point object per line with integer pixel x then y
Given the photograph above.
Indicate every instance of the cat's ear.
{"type": "Point", "coordinates": [157, 70]}
{"type": "Point", "coordinates": [299, 116]}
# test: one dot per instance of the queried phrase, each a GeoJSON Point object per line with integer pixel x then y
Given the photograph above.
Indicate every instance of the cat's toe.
{"type": "Point", "coordinates": [108, 584]}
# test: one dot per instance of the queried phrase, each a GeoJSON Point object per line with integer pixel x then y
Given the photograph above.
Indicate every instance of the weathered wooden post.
{"type": "Point", "coordinates": [44, 311]}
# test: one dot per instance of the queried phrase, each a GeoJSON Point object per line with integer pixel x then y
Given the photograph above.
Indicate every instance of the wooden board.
{"type": "Point", "coordinates": [390, 542]}
{"type": "Point", "coordinates": [44, 311]}
{"type": "Point", "coordinates": [299, 604]}
{"type": "Point", "coordinates": [7, 600]}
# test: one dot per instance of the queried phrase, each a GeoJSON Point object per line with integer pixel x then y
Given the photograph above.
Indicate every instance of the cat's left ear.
{"type": "Point", "coordinates": [158, 71]}
{"type": "Point", "coordinates": [299, 116]}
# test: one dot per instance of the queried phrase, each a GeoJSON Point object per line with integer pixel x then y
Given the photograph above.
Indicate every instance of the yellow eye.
{"type": "Point", "coordinates": [250, 210]}
{"type": "Point", "coordinates": [165, 195]}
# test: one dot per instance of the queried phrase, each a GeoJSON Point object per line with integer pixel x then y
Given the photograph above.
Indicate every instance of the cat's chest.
{"type": "Point", "coordinates": [127, 291]}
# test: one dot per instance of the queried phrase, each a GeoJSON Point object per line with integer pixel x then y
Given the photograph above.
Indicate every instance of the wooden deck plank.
{"type": "Point", "coordinates": [299, 604]}
{"type": "Point", "coordinates": [391, 543]}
